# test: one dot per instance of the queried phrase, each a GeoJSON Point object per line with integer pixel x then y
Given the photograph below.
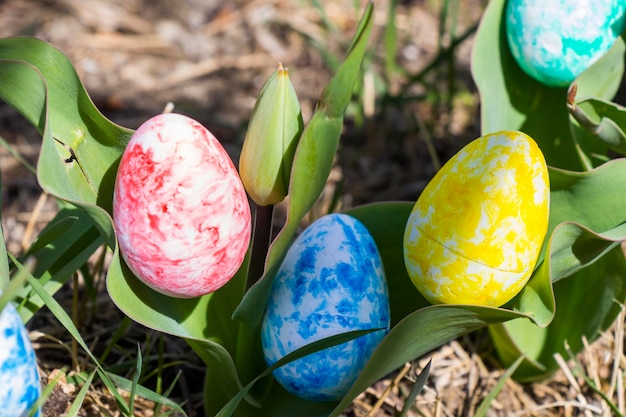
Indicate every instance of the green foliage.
{"type": "Point", "coordinates": [571, 294]}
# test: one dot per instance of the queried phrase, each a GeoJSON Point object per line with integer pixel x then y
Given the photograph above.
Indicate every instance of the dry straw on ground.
{"type": "Point", "coordinates": [210, 59]}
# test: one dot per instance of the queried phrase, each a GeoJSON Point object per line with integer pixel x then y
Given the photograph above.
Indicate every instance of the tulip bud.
{"type": "Point", "coordinates": [271, 140]}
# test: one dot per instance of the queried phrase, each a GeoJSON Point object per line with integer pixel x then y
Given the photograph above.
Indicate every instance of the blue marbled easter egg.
{"type": "Point", "coordinates": [554, 41]}
{"type": "Point", "coordinates": [331, 282]}
{"type": "Point", "coordinates": [19, 379]}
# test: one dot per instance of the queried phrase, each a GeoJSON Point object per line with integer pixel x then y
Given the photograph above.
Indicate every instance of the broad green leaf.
{"type": "Point", "coordinates": [600, 82]}
{"type": "Point", "coordinates": [53, 231]}
{"type": "Point", "coordinates": [312, 163]}
{"type": "Point", "coordinates": [587, 304]}
{"type": "Point", "coordinates": [80, 148]}
{"type": "Point", "coordinates": [512, 100]}
{"type": "Point", "coordinates": [221, 374]}
{"type": "Point", "coordinates": [610, 119]}
{"type": "Point", "coordinates": [536, 300]}
{"type": "Point", "coordinates": [416, 335]}
{"type": "Point", "coordinates": [603, 79]}
{"type": "Point", "coordinates": [204, 322]}
{"type": "Point", "coordinates": [572, 193]}
{"type": "Point", "coordinates": [205, 318]}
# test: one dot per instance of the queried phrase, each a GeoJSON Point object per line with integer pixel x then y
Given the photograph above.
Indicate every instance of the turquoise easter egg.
{"type": "Point", "coordinates": [19, 378]}
{"type": "Point", "coordinates": [330, 282]}
{"type": "Point", "coordinates": [554, 41]}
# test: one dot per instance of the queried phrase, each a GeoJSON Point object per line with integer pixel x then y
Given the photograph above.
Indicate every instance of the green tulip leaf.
{"type": "Point", "coordinates": [80, 147]}
{"type": "Point", "coordinates": [602, 80]}
{"type": "Point", "coordinates": [608, 122]}
{"type": "Point", "coordinates": [418, 334]}
{"type": "Point", "coordinates": [602, 124]}
{"type": "Point", "coordinates": [585, 308]}
{"type": "Point", "coordinates": [512, 100]}
{"type": "Point", "coordinates": [582, 260]}
{"type": "Point", "coordinates": [204, 322]}
{"type": "Point", "coordinates": [572, 192]}
{"type": "Point", "coordinates": [200, 318]}
{"type": "Point", "coordinates": [312, 163]}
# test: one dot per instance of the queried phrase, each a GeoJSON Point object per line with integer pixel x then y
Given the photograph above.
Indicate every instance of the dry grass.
{"type": "Point", "coordinates": [210, 58]}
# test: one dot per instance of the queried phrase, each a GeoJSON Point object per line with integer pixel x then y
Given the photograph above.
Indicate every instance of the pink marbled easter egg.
{"type": "Point", "coordinates": [180, 210]}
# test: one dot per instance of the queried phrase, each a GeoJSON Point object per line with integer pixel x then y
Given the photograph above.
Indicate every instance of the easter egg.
{"type": "Point", "coordinates": [476, 231]}
{"type": "Point", "coordinates": [331, 282]}
{"type": "Point", "coordinates": [180, 210]}
{"type": "Point", "coordinates": [554, 41]}
{"type": "Point", "coordinates": [19, 378]}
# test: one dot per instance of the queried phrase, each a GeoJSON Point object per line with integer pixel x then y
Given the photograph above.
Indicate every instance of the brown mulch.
{"type": "Point", "coordinates": [210, 59]}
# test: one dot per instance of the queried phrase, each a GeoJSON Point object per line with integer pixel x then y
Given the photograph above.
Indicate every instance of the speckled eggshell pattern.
{"type": "Point", "coordinates": [19, 378]}
{"type": "Point", "coordinates": [180, 209]}
{"type": "Point", "coordinates": [331, 282]}
{"type": "Point", "coordinates": [477, 229]}
{"type": "Point", "coordinates": [554, 41]}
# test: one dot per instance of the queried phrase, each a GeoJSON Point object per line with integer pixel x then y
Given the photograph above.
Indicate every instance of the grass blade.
{"type": "Point", "coordinates": [416, 389]}
{"type": "Point", "coordinates": [485, 404]}
{"type": "Point", "coordinates": [60, 314]}
{"type": "Point", "coordinates": [80, 397]}
{"type": "Point", "coordinates": [136, 376]}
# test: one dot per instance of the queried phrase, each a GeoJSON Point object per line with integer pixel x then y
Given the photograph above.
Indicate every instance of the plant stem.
{"type": "Point", "coordinates": [247, 338]}
{"type": "Point", "coordinates": [261, 238]}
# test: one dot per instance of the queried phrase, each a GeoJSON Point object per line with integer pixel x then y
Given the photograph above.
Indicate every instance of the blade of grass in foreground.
{"type": "Point", "coordinates": [486, 403]}
{"type": "Point", "coordinates": [80, 397]}
{"type": "Point", "coordinates": [416, 389]}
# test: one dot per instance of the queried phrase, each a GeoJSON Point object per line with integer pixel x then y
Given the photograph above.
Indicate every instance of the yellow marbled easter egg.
{"type": "Point", "coordinates": [477, 229]}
